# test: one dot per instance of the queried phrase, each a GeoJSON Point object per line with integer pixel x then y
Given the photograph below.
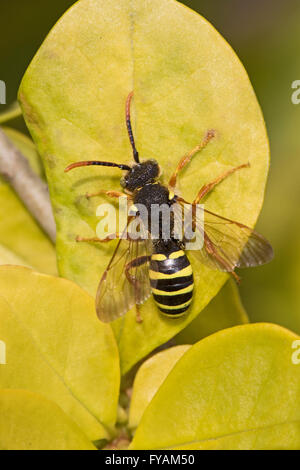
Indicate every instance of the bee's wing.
{"type": "Point", "coordinates": [125, 281]}
{"type": "Point", "coordinates": [228, 244]}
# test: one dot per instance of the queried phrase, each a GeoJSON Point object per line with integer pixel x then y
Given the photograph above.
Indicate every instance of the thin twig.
{"type": "Point", "coordinates": [32, 191]}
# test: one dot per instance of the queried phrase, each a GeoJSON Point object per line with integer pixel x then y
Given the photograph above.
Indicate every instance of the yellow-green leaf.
{"type": "Point", "coordinates": [236, 389]}
{"type": "Point", "coordinates": [19, 232]}
{"type": "Point", "coordinates": [31, 422]}
{"type": "Point", "coordinates": [149, 378]}
{"type": "Point", "coordinates": [56, 346]}
{"type": "Point", "coordinates": [186, 80]}
{"type": "Point", "coordinates": [8, 257]}
{"type": "Point", "coordinates": [223, 311]}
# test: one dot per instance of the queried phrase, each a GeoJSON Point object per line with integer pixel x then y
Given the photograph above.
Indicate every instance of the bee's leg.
{"type": "Point", "coordinates": [212, 251]}
{"type": "Point", "coordinates": [235, 277]}
{"type": "Point", "coordinates": [132, 279]}
{"type": "Point", "coordinates": [138, 317]}
{"type": "Point", "coordinates": [106, 193]}
{"type": "Point", "coordinates": [111, 237]}
{"type": "Point", "coordinates": [209, 186]}
{"type": "Point", "coordinates": [188, 156]}
{"type": "Point", "coordinates": [135, 263]}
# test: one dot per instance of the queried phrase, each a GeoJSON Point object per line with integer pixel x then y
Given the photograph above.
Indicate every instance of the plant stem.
{"type": "Point", "coordinates": [12, 112]}
{"type": "Point", "coordinates": [32, 191]}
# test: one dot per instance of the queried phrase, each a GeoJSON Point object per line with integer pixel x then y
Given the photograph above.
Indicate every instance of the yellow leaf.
{"type": "Point", "coordinates": [8, 257]}
{"type": "Point", "coordinates": [223, 311]}
{"type": "Point", "coordinates": [149, 378]}
{"type": "Point", "coordinates": [56, 346]}
{"type": "Point", "coordinates": [31, 422]}
{"type": "Point", "coordinates": [236, 389]}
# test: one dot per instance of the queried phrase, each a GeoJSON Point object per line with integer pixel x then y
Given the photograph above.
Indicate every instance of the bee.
{"type": "Point", "coordinates": [145, 265]}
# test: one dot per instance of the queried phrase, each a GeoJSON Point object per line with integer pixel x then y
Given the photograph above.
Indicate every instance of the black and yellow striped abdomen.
{"type": "Point", "coordinates": [172, 284]}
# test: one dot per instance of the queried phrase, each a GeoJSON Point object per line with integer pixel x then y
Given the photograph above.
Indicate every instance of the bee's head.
{"type": "Point", "coordinates": [140, 174]}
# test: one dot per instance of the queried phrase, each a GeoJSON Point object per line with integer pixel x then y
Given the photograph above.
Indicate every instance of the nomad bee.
{"type": "Point", "coordinates": [159, 265]}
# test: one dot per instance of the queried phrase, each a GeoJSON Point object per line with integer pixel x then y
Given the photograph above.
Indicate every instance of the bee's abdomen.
{"type": "Point", "coordinates": [171, 279]}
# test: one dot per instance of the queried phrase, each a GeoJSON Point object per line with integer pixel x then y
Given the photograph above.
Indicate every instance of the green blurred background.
{"type": "Point", "coordinates": [265, 35]}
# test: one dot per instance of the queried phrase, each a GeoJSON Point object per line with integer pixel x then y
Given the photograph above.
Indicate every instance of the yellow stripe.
{"type": "Point", "coordinates": [184, 272]}
{"type": "Point", "coordinates": [176, 254]}
{"type": "Point", "coordinates": [174, 307]}
{"type": "Point", "coordinates": [158, 257]}
{"type": "Point", "coordinates": [185, 290]}
{"type": "Point", "coordinates": [173, 315]}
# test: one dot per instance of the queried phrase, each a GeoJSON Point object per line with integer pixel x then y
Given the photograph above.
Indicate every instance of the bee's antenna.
{"type": "Point", "coordinates": [96, 162]}
{"type": "Point", "coordinates": [129, 128]}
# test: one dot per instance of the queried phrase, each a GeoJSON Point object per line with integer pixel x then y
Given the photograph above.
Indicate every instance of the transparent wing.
{"type": "Point", "coordinates": [229, 244]}
{"type": "Point", "coordinates": [125, 282]}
